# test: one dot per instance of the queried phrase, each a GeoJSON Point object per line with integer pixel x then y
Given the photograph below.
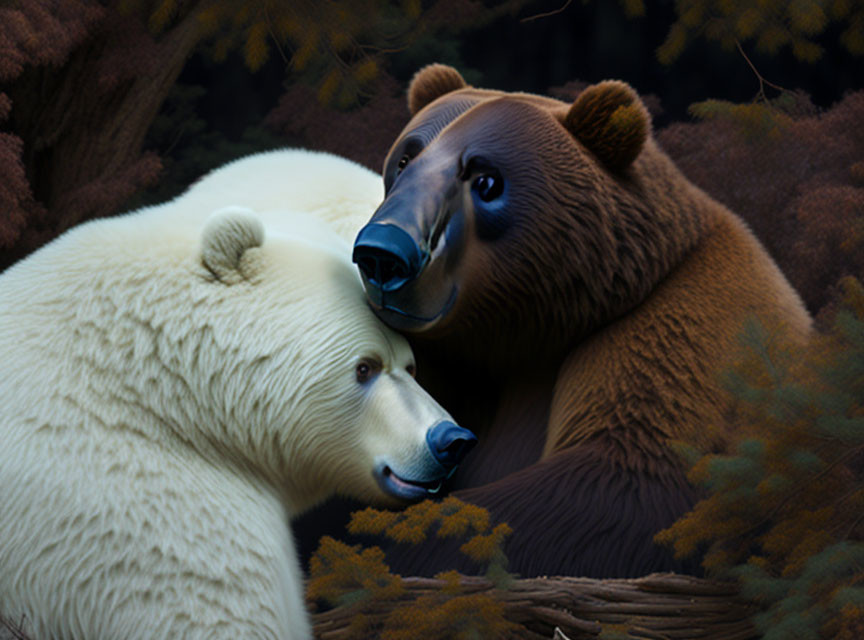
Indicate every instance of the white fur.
{"type": "Point", "coordinates": [177, 384]}
{"type": "Point", "coordinates": [335, 190]}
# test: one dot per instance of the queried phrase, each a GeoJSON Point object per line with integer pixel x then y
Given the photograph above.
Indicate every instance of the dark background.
{"type": "Point", "coordinates": [598, 41]}
{"type": "Point", "coordinates": [583, 42]}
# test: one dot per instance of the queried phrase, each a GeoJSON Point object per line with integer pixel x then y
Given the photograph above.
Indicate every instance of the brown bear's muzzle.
{"type": "Point", "coordinates": [408, 254]}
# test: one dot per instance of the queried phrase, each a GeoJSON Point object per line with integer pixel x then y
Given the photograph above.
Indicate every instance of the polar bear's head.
{"type": "Point", "coordinates": [320, 394]}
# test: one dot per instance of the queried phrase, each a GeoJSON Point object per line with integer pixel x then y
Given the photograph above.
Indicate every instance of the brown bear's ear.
{"type": "Point", "coordinates": [611, 121]}
{"type": "Point", "coordinates": [431, 82]}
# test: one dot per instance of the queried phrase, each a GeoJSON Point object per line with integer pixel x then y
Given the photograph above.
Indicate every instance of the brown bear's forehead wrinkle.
{"type": "Point", "coordinates": [429, 122]}
{"type": "Point", "coordinates": [485, 131]}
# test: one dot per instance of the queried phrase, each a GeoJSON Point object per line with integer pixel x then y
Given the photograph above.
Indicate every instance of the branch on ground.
{"type": "Point", "coordinates": [655, 607]}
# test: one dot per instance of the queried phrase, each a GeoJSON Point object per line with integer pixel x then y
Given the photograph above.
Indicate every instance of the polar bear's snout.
{"type": "Point", "coordinates": [449, 443]}
{"type": "Point", "coordinates": [446, 445]}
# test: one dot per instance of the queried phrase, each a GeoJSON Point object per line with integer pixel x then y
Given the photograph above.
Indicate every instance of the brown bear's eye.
{"type": "Point", "coordinates": [488, 186]}
{"type": "Point", "coordinates": [366, 369]}
{"type": "Point", "coordinates": [403, 162]}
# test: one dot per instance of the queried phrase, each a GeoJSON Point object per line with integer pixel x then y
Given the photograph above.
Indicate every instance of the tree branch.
{"type": "Point", "coordinates": [657, 607]}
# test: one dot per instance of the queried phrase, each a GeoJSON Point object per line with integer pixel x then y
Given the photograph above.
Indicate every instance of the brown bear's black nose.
{"type": "Point", "coordinates": [449, 443]}
{"type": "Point", "coordinates": [387, 256]}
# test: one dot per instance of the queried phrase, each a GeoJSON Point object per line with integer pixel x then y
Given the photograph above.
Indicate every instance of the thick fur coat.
{"type": "Point", "coordinates": [176, 385]}
{"type": "Point", "coordinates": [573, 298]}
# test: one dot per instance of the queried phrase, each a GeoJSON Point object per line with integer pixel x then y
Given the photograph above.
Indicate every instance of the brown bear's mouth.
{"type": "Point", "coordinates": [403, 488]}
{"type": "Point", "coordinates": [402, 320]}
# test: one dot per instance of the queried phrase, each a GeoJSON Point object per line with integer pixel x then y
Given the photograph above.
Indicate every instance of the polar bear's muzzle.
{"type": "Point", "coordinates": [448, 444]}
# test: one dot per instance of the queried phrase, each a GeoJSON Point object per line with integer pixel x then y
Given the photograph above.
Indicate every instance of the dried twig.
{"type": "Point", "coordinates": [548, 13]}
{"type": "Point", "coordinates": [762, 81]}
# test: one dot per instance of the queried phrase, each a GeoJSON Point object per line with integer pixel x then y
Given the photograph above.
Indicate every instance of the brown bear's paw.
{"type": "Point", "coordinates": [432, 82]}
{"type": "Point", "coordinates": [611, 121]}
{"type": "Point", "coordinates": [573, 514]}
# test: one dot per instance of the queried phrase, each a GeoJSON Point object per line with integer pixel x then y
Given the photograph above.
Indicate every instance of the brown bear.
{"type": "Point", "coordinates": [572, 298]}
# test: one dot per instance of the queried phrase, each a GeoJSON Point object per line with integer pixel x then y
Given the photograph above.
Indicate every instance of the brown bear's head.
{"type": "Point", "coordinates": [515, 223]}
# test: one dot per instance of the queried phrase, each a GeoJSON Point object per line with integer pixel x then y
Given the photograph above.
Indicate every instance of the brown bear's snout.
{"type": "Point", "coordinates": [408, 254]}
{"type": "Point", "coordinates": [388, 256]}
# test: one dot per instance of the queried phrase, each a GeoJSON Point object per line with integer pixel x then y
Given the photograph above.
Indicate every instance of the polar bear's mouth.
{"type": "Point", "coordinates": [403, 488]}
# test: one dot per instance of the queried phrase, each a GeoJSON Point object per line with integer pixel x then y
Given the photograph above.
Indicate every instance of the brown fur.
{"type": "Point", "coordinates": [437, 80]}
{"type": "Point", "coordinates": [590, 326]}
{"type": "Point", "coordinates": [611, 121]}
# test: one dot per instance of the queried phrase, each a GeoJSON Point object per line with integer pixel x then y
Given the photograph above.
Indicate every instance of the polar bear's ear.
{"type": "Point", "coordinates": [227, 236]}
{"type": "Point", "coordinates": [432, 82]}
{"type": "Point", "coordinates": [611, 121]}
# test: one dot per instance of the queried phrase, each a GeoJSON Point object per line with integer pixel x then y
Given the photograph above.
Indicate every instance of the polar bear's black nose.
{"type": "Point", "coordinates": [387, 256]}
{"type": "Point", "coordinates": [449, 442]}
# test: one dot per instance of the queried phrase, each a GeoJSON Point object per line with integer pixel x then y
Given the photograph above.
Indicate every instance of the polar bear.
{"type": "Point", "coordinates": [176, 385]}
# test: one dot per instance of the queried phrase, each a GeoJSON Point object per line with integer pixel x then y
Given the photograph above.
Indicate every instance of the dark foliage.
{"type": "Point", "coordinates": [793, 173]}
{"type": "Point", "coordinates": [82, 86]}
{"type": "Point", "coordinates": [784, 512]}
{"type": "Point", "coordinates": [363, 134]}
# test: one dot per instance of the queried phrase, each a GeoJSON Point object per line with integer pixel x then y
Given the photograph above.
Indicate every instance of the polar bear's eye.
{"type": "Point", "coordinates": [366, 369]}
{"type": "Point", "coordinates": [412, 370]}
